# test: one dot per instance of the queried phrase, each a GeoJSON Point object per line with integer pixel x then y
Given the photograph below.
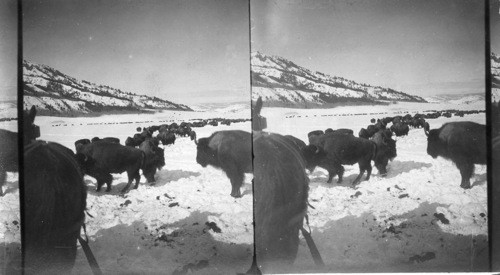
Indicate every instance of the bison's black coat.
{"type": "Point", "coordinates": [54, 204]}
{"type": "Point", "coordinates": [229, 150]}
{"type": "Point", "coordinates": [101, 159]}
{"type": "Point", "coordinates": [463, 142]}
{"type": "Point", "coordinates": [336, 150]}
{"type": "Point", "coordinates": [280, 194]}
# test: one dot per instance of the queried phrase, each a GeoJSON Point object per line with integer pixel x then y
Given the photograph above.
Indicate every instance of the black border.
{"type": "Point", "coordinates": [20, 115]}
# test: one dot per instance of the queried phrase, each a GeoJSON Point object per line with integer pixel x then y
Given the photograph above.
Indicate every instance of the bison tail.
{"type": "Point", "coordinates": [143, 159]}
{"type": "Point", "coordinates": [375, 149]}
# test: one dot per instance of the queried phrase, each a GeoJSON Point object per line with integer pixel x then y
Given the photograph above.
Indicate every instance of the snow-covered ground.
{"type": "Point", "coordinates": [417, 218]}
{"type": "Point", "coordinates": [387, 223]}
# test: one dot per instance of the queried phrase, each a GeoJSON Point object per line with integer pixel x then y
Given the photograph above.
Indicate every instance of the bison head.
{"type": "Point", "coordinates": [385, 150]}
{"type": "Point", "coordinates": [205, 155]}
{"type": "Point", "coordinates": [313, 156]}
{"type": "Point", "coordinates": [85, 162]}
{"type": "Point", "coordinates": [434, 143]}
{"type": "Point", "coordinates": [159, 157]}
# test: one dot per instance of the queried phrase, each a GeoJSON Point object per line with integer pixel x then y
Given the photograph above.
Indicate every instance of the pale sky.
{"type": "Point", "coordinates": [194, 51]}
{"type": "Point", "coordinates": [186, 51]}
{"type": "Point", "coordinates": [421, 47]}
{"type": "Point", "coordinates": [8, 49]}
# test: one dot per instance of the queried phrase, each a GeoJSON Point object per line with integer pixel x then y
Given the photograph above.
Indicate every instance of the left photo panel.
{"type": "Point", "coordinates": [10, 217]}
{"type": "Point", "coordinates": [137, 131]}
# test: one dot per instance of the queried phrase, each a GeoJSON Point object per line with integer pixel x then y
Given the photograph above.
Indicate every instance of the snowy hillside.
{"type": "Point", "coordinates": [495, 77]}
{"type": "Point", "coordinates": [282, 83]}
{"type": "Point", "coordinates": [458, 99]}
{"type": "Point", "coordinates": [55, 93]}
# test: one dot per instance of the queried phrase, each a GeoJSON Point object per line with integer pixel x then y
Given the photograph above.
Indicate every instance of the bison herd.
{"type": "Point", "coordinates": [54, 173]}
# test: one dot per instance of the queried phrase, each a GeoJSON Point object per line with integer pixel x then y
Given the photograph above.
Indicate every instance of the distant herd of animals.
{"type": "Point", "coordinates": [54, 174]}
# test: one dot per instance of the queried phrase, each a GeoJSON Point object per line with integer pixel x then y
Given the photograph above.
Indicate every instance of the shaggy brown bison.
{"type": "Point", "coordinates": [464, 143]}
{"type": "Point", "coordinates": [229, 150]}
{"type": "Point", "coordinates": [337, 150]}
{"type": "Point", "coordinates": [280, 195]}
{"type": "Point", "coordinates": [54, 203]}
{"type": "Point", "coordinates": [100, 159]}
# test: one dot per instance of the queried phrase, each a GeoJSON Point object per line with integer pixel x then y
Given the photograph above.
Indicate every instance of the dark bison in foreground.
{"type": "Point", "coordinates": [101, 159]}
{"type": "Point", "coordinates": [9, 158]}
{"type": "Point", "coordinates": [280, 199]}
{"type": "Point", "coordinates": [337, 150]}
{"type": "Point", "coordinates": [229, 150]}
{"type": "Point", "coordinates": [54, 203]}
{"type": "Point", "coordinates": [464, 143]}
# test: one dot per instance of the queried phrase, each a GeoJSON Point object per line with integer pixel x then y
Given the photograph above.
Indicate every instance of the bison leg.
{"type": "Point", "coordinates": [466, 170]}
{"type": "Point", "coordinates": [137, 178]}
{"type": "Point", "coordinates": [368, 171]}
{"type": "Point", "coordinates": [127, 186]}
{"type": "Point", "coordinates": [362, 169]}
{"type": "Point", "coordinates": [333, 169]}
{"type": "Point", "coordinates": [100, 183]}
{"type": "Point", "coordinates": [382, 167]}
{"type": "Point", "coordinates": [109, 180]}
{"type": "Point", "coordinates": [340, 172]}
{"type": "Point", "coordinates": [236, 178]}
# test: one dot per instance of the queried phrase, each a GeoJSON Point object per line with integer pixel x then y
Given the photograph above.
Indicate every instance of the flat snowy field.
{"type": "Point", "coordinates": [417, 218]}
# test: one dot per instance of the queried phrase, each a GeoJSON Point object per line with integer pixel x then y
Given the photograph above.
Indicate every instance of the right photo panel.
{"type": "Point", "coordinates": [369, 136]}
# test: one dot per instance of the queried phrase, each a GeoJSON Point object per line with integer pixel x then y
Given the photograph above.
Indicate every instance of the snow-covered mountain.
{"type": "Point", "coordinates": [457, 99]}
{"type": "Point", "coordinates": [55, 93]}
{"type": "Point", "coordinates": [495, 77]}
{"type": "Point", "coordinates": [280, 82]}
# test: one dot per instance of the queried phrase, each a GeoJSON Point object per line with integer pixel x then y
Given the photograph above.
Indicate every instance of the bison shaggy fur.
{"type": "Point", "coordinates": [54, 203]}
{"type": "Point", "coordinates": [463, 142]}
{"type": "Point", "coordinates": [230, 151]}
{"type": "Point", "coordinates": [101, 159]}
{"type": "Point", "coordinates": [338, 150]}
{"type": "Point", "coordinates": [280, 193]}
